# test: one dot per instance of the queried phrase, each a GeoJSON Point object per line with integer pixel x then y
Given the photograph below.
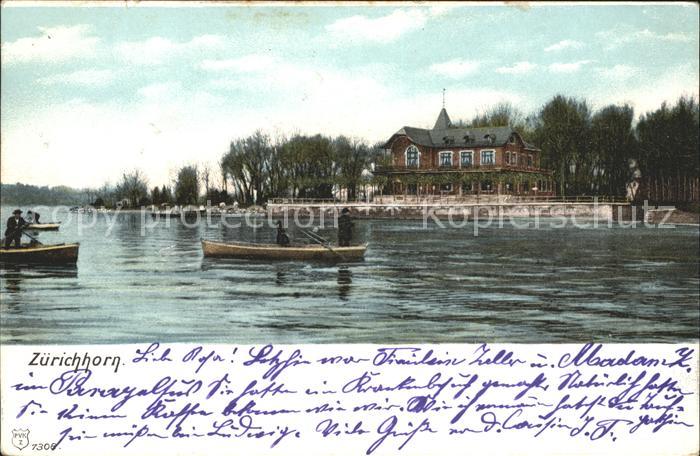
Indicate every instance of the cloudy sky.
{"type": "Point", "coordinates": [88, 93]}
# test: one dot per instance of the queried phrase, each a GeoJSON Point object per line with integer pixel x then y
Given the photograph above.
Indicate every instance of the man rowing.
{"type": "Point", "coordinates": [345, 228]}
{"type": "Point", "coordinates": [282, 237]}
{"type": "Point", "coordinates": [15, 225]}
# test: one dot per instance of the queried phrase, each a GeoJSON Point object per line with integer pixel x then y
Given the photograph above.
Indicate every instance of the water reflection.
{"type": "Point", "coordinates": [281, 278]}
{"type": "Point", "coordinates": [187, 234]}
{"type": "Point", "coordinates": [417, 284]}
{"type": "Point", "coordinates": [12, 276]}
{"type": "Point", "coordinates": [344, 282]}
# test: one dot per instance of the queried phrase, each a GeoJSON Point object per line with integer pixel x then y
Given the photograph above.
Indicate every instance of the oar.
{"type": "Point", "coordinates": [35, 239]}
{"type": "Point", "coordinates": [319, 240]}
{"type": "Point", "coordinates": [318, 237]}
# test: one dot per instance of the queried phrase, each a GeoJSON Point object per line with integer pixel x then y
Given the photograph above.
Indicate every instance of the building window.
{"type": "Point", "coordinates": [486, 186]}
{"type": "Point", "coordinates": [529, 161]}
{"type": "Point", "coordinates": [512, 139]}
{"type": "Point", "coordinates": [466, 158]}
{"type": "Point", "coordinates": [412, 157]}
{"type": "Point", "coordinates": [509, 187]}
{"type": "Point", "coordinates": [488, 157]}
{"type": "Point", "coordinates": [507, 158]}
{"type": "Point", "coordinates": [412, 189]}
{"type": "Point", "coordinates": [446, 188]}
{"type": "Point", "coordinates": [446, 159]}
{"type": "Point", "coordinates": [467, 187]}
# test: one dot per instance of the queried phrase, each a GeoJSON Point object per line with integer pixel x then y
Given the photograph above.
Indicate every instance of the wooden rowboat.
{"type": "Point", "coordinates": [44, 254]}
{"type": "Point", "coordinates": [44, 226]}
{"type": "Point", "coordinates": [276, 252]}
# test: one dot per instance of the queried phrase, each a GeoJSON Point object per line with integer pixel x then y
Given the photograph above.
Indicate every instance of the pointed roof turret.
{"type": "Point", "coordinates": [443, 121]}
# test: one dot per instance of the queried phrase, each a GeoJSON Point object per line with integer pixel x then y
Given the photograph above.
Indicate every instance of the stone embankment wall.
{"type": "Point", "coordinates": [603, 212]}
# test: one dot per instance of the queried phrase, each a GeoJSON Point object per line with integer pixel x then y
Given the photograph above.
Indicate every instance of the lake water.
{"type": "Point", "coordinates": [417, 284]}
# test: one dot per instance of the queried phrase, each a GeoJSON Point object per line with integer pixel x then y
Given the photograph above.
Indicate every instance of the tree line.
{"type": "Point", "coordinates": [599, 152]}
{"type": "Point", "coordinates": [591, 152]}
{"type": "Point", "coordinates": [30, 195]}
{"type": "Point", "coordinates": [259, 168]}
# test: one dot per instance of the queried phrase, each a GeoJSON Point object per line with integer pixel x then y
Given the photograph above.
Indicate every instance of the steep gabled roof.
{"type": "Point", "coordinates": [443, 121]}
{"type": "Point", "coordinates": [444, 134]}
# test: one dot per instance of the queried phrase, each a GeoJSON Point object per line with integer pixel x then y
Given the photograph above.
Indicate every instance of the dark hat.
{"type": "Point", "coordinates": [345, 210]}
{"type": "Point", "coordinates": [16, 211]}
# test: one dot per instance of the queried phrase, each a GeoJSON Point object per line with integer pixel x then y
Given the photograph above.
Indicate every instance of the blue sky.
{"type": "Point", "coordinates": [90, 92]}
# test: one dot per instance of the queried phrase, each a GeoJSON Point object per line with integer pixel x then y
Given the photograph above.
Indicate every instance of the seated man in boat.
{"type": "Point", "coordinates": [13, 233]}
{"type": "Point", "coordinates": [32, 217]}
{"type": "Point", "coordinates": [282, 238]}
{"type": "Point", "coordinates": [345, 228]}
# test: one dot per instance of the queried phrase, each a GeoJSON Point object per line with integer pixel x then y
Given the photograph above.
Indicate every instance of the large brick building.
{"type": "Point", "coordinates": [449, 160]}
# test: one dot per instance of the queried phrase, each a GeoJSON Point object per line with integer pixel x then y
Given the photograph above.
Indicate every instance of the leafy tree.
{"type": "Point", "coordinates": [353, 157]}
{"type": "Point", "coordinates": [133, 188]}
{"type": "Point", "coordinates": [187, 186]}
{"type": "Point", "coordinates": [247, 165]}
{"type": "Point", "coordinates": [668, 140]}
{"type": "Point", "coordinates": [500, 115]}
{"type": "Point", "coordinates": [166, 196]}
{"type": "Point", "coordinates": [155, 196]}
{"type": "Point", "coordinates": [612, 146]}
{"type": "Point", "coordinates": [562, 131]}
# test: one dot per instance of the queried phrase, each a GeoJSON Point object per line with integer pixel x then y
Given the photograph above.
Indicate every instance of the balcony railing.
{"type": "Point", "coordinates": [492, 197]}
{"type": "Point", "coordinates": [442, 168]}
{"type": "Point", "coordinates": [482, 197]}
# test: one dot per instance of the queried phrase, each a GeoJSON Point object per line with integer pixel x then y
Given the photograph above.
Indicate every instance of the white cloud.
{"type": "Point", "coordinates": [456, 68]}
{"type": "Point", "coordinates": [90, 78]}
{"type": "Point", "coordinates": [54, 44]}
{"type": "Point", "coordinates": [619, 72]}
{"type": "Point", "coordinates": [157, 50]}
{"type": "Point", "coordinates": [564, 44]}
{"type": "Point", "coordinates": [571, 67]}
{"type": "Point", "coordinates": [384, 29]}
{"type": "Point", "coordinates": [245, 64]}
{"type": "Point", "coordinates": [674, 83]}
{"type": "Point", "coordinates": [171, 123]}
{"type": "Point", "coordinates": [159, 90]}
{"type": "Point", "coordinates": [671, 36]}
{"type": "Point", "coordinates": [617, 37]}
{"type": "Point", "coordinates": [164, 129]}
{"type": "Point", "coordinates": [518, 68]}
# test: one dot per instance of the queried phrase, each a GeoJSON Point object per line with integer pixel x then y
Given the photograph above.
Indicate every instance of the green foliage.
{"type": "Point", "coordinates": [562, 131]}
{"type": "Point", "coordinates": [592, 154]}
{"type": "Point", "coordinates": [300, 166]}
{"type": "Point", "coordinates": [500, 115]}
{"type": "Point", "coordinates": [187, 186]}
{"type": "Point", "coordinates": [25, 195]}
{"type": "Point", "coordinates": [612, 144]}
{"type": "Point", "coordinates": [668, 140]}
{"type": "Point", "coordinates": [133, 189]}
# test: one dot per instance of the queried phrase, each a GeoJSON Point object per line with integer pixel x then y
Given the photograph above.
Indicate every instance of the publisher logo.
{"type": "Point", "coordinates": [20, 438]}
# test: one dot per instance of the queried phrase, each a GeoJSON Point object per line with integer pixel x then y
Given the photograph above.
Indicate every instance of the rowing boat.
{"type": "Point", "coordinates": [44, 226]}
{"type": "Point", "coordinates": [45, 254]}
{"type": "Point", "coordinates": [276, 252]}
